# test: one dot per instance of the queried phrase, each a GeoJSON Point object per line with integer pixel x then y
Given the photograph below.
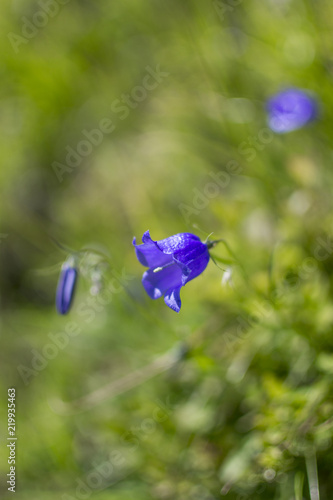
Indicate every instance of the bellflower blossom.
{"type": "Point", "coordinates": [291, 109]}
{"type": "Point", "coordinates": [66, 287]}
{"type": "Point", "coordinates": [172, 263]}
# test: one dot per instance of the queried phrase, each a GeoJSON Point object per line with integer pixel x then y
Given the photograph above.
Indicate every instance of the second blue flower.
{"type": "Point", "coordinates": [290, 110]}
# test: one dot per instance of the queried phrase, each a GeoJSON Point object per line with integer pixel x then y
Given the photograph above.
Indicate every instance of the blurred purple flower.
{"type": "Point", "coordinates": [291, 109]}
{"type": "Point", "coordinates": [172, 263]}
{"type": "Point", "coordinates": [66, 288]}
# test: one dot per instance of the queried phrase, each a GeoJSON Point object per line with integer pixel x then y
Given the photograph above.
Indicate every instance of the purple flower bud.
{"type": "Point", "coordinates": [291, 109]}
{"type": "Point", "coordinates": [172, 263]}
{"type": "Point", "coordinates": [66, 288]}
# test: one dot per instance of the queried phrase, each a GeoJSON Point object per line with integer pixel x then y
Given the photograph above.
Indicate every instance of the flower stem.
{"type": "Point", "coordinates": [212, 244]}
{"type": "Point", "coordinates": [298, 485]}
{"type": "Point", "coordinates": [311, 469]}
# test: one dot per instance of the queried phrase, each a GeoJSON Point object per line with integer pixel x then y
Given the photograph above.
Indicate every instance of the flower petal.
{"type": "Point", "coordinates": [193, 268]}
{"type": "Point", "coordinates": [193, 251]}
{"type": "Point", "coordinates": [158, 283]}
{"type": "Point", "coordinates": [193, 260]}
{"type": "Point", "coordinates": [65, 289]}
{"type": "Point", "coordinates": [149, 254]}
{"type": "Point", "coordinates": [177, 242]}
{"type": "Point", "coordinates": [172, 299]}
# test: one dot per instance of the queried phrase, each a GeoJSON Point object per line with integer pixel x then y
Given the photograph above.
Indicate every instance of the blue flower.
{"type": "Point", "coordinates": [172, 263]}
{"type": "Point", "coordinates": [66, 287]}
{"type": "Point", "coordinates": [291, 109]}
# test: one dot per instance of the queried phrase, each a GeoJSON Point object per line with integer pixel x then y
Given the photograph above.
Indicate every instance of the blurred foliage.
{"type": "Point", "coordinates": [244, 408]}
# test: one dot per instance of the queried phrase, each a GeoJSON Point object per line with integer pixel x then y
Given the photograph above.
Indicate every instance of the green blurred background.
{"type": "Point", "coordinates": [232, 398]}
